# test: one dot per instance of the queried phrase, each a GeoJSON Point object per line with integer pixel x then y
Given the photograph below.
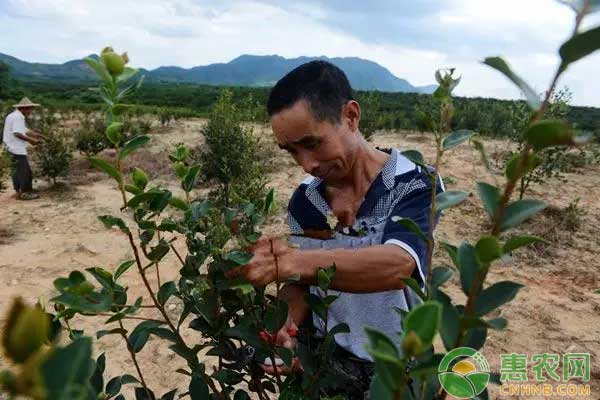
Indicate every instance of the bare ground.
{"type": "Point", "coordinates": [556, 312]}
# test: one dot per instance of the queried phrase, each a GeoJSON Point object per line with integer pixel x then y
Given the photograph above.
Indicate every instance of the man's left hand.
{"type": "Point", "coordinates": [262, 270]}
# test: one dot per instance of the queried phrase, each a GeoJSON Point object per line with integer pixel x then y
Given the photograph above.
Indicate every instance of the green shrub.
{"type": "Point", "coordinates": [229, 156]}
{"type": "Point", "coordinates": [89, 138]}
{"type": "Point", "coordinates": [53, 156]}
{"type": "Point", "coordinates": [5, 169]}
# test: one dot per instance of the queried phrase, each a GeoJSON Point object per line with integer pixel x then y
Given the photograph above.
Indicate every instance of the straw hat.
{"type": "Point", "coordinates": [25, 102]}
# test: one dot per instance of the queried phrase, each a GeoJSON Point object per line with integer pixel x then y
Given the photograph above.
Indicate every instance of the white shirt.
{"type": "Point", "coordinates": [15, 122]}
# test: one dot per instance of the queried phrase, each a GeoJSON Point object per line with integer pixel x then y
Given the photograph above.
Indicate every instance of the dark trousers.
{"type": "Point", "coordinates": [22, 177]}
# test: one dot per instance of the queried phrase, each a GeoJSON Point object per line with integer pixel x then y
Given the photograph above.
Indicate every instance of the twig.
{"type": "Point", "coordinates": [134, 359]}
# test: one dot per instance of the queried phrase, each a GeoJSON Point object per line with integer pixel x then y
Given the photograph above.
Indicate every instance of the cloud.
{"type": "Point", "coordinates": [410, 39]}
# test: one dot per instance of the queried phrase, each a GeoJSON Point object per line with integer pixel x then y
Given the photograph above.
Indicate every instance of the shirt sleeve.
{"type": "Point", "coordinates": [19, 126]}
{"type": "Point", "coordinates": [416, 205]}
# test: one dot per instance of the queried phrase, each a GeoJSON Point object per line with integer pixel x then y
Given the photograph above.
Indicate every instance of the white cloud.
{"type": "Point", "coordinates": [192, 32]}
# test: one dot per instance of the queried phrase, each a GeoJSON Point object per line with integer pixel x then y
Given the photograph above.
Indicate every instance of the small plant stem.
{"type": "Point", "coordinates": [177, 254]}
{"type": "Point", "coordinates": [134, 359]}
{"type": "Point", "coordinates": [157, 266]}
{"type": "Point", "coordinates": [132, 317]}
{"type": "Point", "coordinates": [432, 212]}
{"type": "Point", "coordinates": [275, 369]}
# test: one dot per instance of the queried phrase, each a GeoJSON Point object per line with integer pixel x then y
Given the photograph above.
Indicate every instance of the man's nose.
{"type": "Point", "coordinates": [308, 163]}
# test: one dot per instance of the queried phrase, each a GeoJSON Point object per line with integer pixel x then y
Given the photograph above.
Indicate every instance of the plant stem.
{"type": "Point", "coordinates": [275, 369]}
{"type": "Point", "coordinates": [134, 359]}
{"type": "Point", "coordinates": [132, 317]}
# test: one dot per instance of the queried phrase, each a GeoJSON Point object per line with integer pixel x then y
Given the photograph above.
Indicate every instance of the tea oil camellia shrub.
{"type": "Point", "coordinates": [230, 155]}
{"type": "Point", "coordinates": [411, 371]}
{"type": "Point", "coordinates": [53, 155]}
{"type": "Point", "coordinates": [236, 321]}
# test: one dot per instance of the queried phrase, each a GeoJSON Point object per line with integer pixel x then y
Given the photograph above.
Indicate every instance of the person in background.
{"type": "Point", "coordinates": [16, 138]}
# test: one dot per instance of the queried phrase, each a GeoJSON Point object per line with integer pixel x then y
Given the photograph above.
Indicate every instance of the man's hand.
{"type": "Point", "coordinates": [262, 270]}
{"type": "Point", "coordinates": [286, 337]}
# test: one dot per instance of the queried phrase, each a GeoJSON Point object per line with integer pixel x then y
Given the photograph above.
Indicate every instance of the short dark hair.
{"type": "Point", "coordinates": [323, 85]}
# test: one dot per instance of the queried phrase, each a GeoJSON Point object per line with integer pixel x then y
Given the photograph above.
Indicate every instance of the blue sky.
{"type": "Point", "coordinates": [410, 38]}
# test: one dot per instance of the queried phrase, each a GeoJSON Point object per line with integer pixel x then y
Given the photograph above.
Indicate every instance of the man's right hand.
{"type": "Point", "coordinates": [285, 337]}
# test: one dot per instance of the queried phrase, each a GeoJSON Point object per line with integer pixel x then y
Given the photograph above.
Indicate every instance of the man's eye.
{"type": "Point", "coordinates": [312, 145]}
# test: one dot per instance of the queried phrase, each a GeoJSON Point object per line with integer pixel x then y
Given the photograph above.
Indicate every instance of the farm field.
{"type": "Point", "coordinates": [557, 311]}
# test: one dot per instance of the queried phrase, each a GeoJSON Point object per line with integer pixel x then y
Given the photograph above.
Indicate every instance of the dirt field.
{"type": "Point", "coordinates": [557, 311]}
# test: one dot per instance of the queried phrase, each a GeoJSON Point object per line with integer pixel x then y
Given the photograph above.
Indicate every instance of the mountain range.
{"type": "Point", "coordinates": [245, 70]}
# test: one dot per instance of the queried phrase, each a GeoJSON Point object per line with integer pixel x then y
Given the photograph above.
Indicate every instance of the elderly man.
{"type": "Point", "coordinates": [316, 119]}
{"type": "Point", "coordinates": [16, 137]}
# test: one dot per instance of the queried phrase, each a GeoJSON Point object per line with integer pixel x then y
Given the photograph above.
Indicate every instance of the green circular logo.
{"type": "Point", "coordinates": [464, 372]}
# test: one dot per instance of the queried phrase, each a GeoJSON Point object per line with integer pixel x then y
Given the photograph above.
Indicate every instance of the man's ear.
{"type": "Point", "coordinates": [351, 114]}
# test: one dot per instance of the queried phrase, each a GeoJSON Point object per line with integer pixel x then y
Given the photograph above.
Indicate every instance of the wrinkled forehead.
{"type": "Point", "coordinates": [296, 123]}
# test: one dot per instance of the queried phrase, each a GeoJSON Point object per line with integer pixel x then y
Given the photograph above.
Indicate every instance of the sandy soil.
{"type": "Point", "coordinates": [556, 312]}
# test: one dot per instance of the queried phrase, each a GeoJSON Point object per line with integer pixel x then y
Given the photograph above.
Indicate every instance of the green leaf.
{"type": "Point", "coordinates": [106, 167]}
{"type": "Point", "coordinates": [339, 328]}
{"type": "Point", "coordinates": [115, 331]}
{"type": "Point", "coordinates": [269, 201]}
{"type": "Point", "coordinates": [316, 305]}
{"type": "Point", "coordinates": [381, 347]}
{"type": "Point", "coordinates": [548, 133]}
{"type": "Point", "coordinates": [579, 46]}
{"type": "Point", "coordinates": [127, 74]}
{"type": "Point", "coordinates": [190, 178]}
{"type": "Point", "coordinates": [440, 275]}
{"type": "Point", "coordinates": [415, 286]}
{"type": "Point", "coordinates": [323, 279]}
{"type": "Point", "coordinates": [132, 189]}
{"type": "Point", "coordinates": [240, 257]}
{"type": "Point", "coordinates": [490, 197]}
{"type": "Point", "coordinates": [144, 197]}
{"type": "Point", "coordinates": [378, 390]}
{"type": "Point", "coordinates": [414, 156]}
{"type": "Point", "coordinates": [138, 338]}
{"type": "Point", "coordinates": [455, 138]}
{"type": "Point", "coordinates": [276, 316]}
{"type": "Point", "coordinates": [468, 265]}
{"type": "Point", "coordinates": [488, 249]}
{"type": "Point", "coordinates": [109, 221]}
{"type": "Point", "coordinates": [481, 149]}
{"type": "Point", "coordinates": [166, 290]}
{"type": "Point", "coordinates": [199, 209]}
{"type": "Point", "coordinates": [132, 145]}
{"type": "Point", "coordinates": [519, 211]}
{"type": "Point", "coordinates": [516, 167]}
{"type": "Point", "coordinates": [179, 203]}
{"type": "Point", "coordinates": [500, 65]}
{"type": "Point", "coordinates": [450, 324]}
{"type": "Point", "coordinates": [520, 241]}
{"type": "Point", "coordinates": [411, 226]}
{"type": "Point", "coordinates": [113, 133]}
{"type": "Point", "coordinates": [68, 369]}
{"type": "Point", "coordinates": [448, 199]}
{"type": "Point", "coordinates": [159, 251]}
{"type": "Point", "coordinates": [103, 277]}
{"type": "Point", "coordinates": [496, 295]}
{"type": "Point", "coordinates": [100, 70]}
{"type": "Point", "coordinates": [140, 179]}
{"type": "Point", "coordinates": [424, 320]}
{"type": "Point", "coordinates": [452, 252]}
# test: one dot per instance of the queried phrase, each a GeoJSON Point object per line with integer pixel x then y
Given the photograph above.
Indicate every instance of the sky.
{"type": "Point", "coordinates": [411, 38]}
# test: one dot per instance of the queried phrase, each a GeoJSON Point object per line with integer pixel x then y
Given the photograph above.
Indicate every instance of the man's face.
{"type": "Point", "coordinates": [321, 148]}
{"type": "Point", "coordinates": [26, 111]}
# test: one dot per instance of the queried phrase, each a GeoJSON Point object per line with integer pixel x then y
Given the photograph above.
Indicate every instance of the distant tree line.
{"type": "Point", "coordinates": [490, 117]}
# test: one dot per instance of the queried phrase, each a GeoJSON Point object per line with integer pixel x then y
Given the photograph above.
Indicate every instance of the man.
{"type": "Point", "coordinates": [316, 119]}
{"type": "Point", "coordinates": [16, 137]}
